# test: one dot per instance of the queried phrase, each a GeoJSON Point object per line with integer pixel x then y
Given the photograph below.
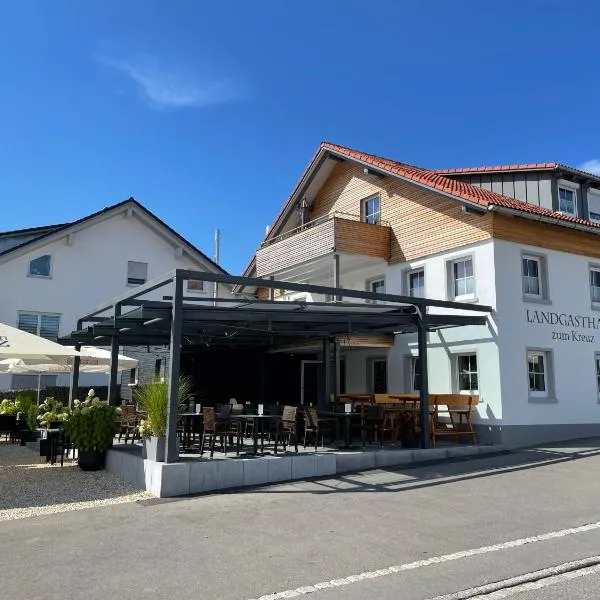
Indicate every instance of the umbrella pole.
{"type": "Point", "coordinates": [39, 386]}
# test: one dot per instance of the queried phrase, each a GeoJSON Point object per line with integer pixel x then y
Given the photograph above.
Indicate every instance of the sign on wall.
{"type": "Point", "coordinates": [577, 328]}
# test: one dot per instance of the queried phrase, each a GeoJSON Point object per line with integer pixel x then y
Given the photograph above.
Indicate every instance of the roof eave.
{"type": "Point", "coordinates": [543, 218]}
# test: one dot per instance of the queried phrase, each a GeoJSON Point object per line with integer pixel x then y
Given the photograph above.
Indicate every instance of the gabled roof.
{"type": "Point", "coordinates": [31, 230]}
{"type": "Point", "coordinates": [115, 208]}
{"type": "Point", "coordinates": [547, 166]}
{"type": "Point", "coordinates": [457, 189]}
{"type": "Point", "coordinates": [460, 191]}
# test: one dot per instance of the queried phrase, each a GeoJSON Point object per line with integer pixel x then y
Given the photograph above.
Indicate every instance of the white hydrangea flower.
{"type": "Point", "coordinates": [92, 393]}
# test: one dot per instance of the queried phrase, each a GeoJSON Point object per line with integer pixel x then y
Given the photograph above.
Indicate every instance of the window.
{"type": "Point", "coordinates": [40, 266]}
{"type": "Point", "coordinates": [46, 326]}
{"type": "Point", "coordinates": [376, 286]}
{"type": "Point", "coordinates": [195, 285]}
{"type": "Point", "coordinates": [466, 371]}
{"type": "Point", "coordinates": [378, 376]}
{"type": "Point", "coordinates": [531, 276]}
{"type": "Point", "coordinates": [567, 200]}
{"type": "Point", "coordinates": [595, 285]}
{"type": "Point", "coordinates": [133, 377]}
{"type": "Point", "coordinates": [537, 373]}
{"type": "Point", "coordinates": [370, 210]}
{"type": "Point", "coordinates": [415, 374]}
{"type": "Point", "coordinates": [597, 361]}
{"type": "Point", "coordinates": [416, 283]}
{"type": "Point", "coordinates": [137, 272]}
{"type": "Point", "coordinates": [463, 280]}
{"type": "Point", "coordinates": [593, 196]}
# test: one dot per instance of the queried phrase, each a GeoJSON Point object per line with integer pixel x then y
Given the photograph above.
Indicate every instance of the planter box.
{"type": "Point", "coordinates": [156, 448]}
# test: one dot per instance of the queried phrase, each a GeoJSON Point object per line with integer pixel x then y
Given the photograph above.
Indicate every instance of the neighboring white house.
{"type": "Point", "coordinates": [51, 276]}
{"type": "Point", "coordinates": [524, 240]}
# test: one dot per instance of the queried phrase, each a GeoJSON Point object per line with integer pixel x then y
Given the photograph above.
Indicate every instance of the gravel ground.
{"type": "Point", "coordinates": [29, 486]}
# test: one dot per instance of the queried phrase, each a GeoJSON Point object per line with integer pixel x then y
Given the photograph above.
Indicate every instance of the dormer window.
{"type": "Point", "coordinates": [40, 266]}
{"type": "Point", "coordinates": [567, 197]}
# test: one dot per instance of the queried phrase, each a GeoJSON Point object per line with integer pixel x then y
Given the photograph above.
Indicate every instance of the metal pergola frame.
{"type": "Point", "coordinates": [179, 320]}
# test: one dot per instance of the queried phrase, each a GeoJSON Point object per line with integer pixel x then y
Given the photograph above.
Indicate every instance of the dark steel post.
{"type": "Point", "coordinates": [114, 361]}
{"type": "Point", "coordinates": [75, 374]}
{"type": "Point", "coordinates": [336, 275]}
{"type": "Point", "coordinates": [174, 363]}
{"type": "Point", "coordinates": [423, 371]}
{"type": "Point", "coordinates": [327, 380]}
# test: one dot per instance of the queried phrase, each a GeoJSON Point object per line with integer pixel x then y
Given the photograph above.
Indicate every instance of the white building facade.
{"type": "Point", "coordinates": [52, 276]}
{"type": "Point", "coordinates": [536, 364]}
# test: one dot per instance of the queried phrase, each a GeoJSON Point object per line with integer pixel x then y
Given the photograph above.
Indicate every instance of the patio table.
{"type": "Point", "coordinates": [52, 443]}
{"type": "Point", "coordinates": [258, 420]}
{"type": "Point", "coordinates": [188, 421]}
{"type": "Point", "coordinates": [347, 418]}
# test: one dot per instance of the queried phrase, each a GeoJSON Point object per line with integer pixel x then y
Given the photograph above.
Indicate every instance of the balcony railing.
{"type": "Point", "coordinates": [335, 232]}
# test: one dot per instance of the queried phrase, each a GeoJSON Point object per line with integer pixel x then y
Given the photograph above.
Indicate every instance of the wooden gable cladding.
{"type": "Point", "coordinates": [422, 222]}
{"type": "Point", "coordinates": [546, 235]}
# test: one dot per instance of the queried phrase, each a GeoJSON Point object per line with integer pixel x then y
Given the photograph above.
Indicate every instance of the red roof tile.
{"type": "Point", "coordinates": [456, 188]}
{"type": "Point", "coordinates": [499, 168]}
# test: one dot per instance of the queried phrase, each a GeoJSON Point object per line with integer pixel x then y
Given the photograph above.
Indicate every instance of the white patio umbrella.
{"type": "Point", "coordinates": [15, 343]}
{"type": "Point", "coordinates": [92, 360]}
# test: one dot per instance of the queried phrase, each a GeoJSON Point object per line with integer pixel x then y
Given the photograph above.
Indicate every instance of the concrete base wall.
{"type": "Point", "coordinates": [166, 480]}
{"type": "Point", "coordinates": [520, 436]}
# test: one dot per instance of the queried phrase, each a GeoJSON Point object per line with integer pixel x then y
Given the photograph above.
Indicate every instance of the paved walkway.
{"type": "Point", "coordinates": [414, 534]}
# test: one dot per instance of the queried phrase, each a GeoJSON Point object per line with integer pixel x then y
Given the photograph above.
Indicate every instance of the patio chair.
{"type": "Point", "coordinates": [316, 425]}
{"type": "Point", "coordinates": [288, 428]}
{"type": "Point", "coordinates": [370, 423]}
{"type": "Point", "coordinates": [214, 428]}
{"type": "Point", "coordinates": [129, 422]}
{"type": "Point", "coordinates": [391, 422]}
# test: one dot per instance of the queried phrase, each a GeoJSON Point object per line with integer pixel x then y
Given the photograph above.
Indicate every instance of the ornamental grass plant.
{"type": "Point", "coordinates": [152, 398]}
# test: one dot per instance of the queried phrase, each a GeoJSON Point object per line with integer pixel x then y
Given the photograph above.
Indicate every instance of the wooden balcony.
{"type": "Point", "coordinates": [337, 232]}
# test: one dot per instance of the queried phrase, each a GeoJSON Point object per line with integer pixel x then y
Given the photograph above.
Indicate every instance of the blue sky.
{"type": "Point", "coordinates": [208, 112]}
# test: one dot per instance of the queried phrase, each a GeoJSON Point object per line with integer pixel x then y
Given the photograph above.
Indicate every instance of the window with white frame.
{"type": "Point", "coordinates": [376, 286]}
{"type": "Point", "coordinates": [463, 279]}
{"type": "Point", "coordinates": [467, 380]}
{"type": "Point", "coordinates": [416, 283]}
{"type": "Point", "coordinates": [371, 210]}
{"type": "Point", "coordinates": [595, 285]}
{"type": "Point", "coordinates": [538, 366]}
{"type": "Point", "coordinates": [534, 274]}
{"type": "Point", "coordinates": [195, 285]}
{"type": "Point", "coordinates": [40, 266]}
{"type": "Point", "coordinates": [44, 325]}
{"type": "Point", "coordinates": [597, 361]}
{"type": "Point", "coordinates": [415, 374]}
{"type": "Point", "coordinates": [567, 199]}
{"type": "Point", "coordinates": [137, 272]}
{"type": "Point", "coordinates": [593, 196]}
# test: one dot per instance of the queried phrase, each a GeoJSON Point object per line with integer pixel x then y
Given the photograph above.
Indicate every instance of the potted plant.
{"type": "Point", "coordinates": [52, 413]}
{"type": "Point", "coordinates": [27, 416]}
{"type": "Point", "coordinates": [91, 427]}
{"type": "Point", "coordinates": [153, 399]}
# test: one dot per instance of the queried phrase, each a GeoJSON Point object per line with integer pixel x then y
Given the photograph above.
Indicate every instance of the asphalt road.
{"type": "Point", "coordinates": [439, 531]}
